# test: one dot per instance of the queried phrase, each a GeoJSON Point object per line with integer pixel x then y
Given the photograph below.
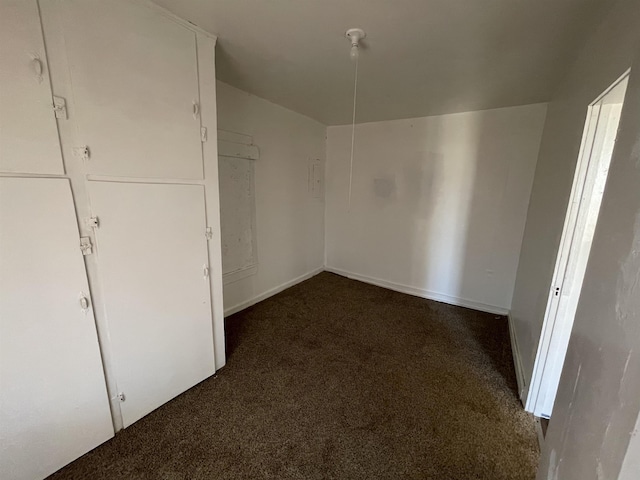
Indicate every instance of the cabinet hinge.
{"type": "Point", "coordinates": [121, 396]}
{"type": "Point", "coordinates": [83, 153]}
{"type": "Point", "coordinates": [85, 246]}
{"type": "Point", "coordinates": [60, 107]}
{"type": "Point", "coordinates": [203, 134]}
{"type": "Point", "coordinates": [208, 233]}
{"type": "Point", "coordinates": [93, 222]}
{"type": "Point", "coordinates": [205, 271]}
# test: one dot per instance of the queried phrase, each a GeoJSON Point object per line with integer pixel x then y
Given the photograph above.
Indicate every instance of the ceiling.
{"type": "Point", "coordinates": [420, 57]}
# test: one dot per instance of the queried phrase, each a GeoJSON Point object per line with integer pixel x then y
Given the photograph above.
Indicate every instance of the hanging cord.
{"type": "Point", "coordinates": [353, 131]}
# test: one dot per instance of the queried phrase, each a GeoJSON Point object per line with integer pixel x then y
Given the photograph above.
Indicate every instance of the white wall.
{"type": "Point", "coordinates": [608, 55]}
{"type": "Point", "coordinates": [438, 203]}
{"type": "Point", "coordinates": [597, 403]}
{"type": "Point", "coordinates": [289, 221]}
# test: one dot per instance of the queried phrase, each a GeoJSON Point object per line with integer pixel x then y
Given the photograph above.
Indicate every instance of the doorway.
{"type": "Point", "coordinates": [596, 150]}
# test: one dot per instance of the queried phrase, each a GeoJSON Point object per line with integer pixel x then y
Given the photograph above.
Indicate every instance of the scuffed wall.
{"type": "Point", "coordinates": [608, 55]}
{"type": "Point", "coordinates": [597, 404]}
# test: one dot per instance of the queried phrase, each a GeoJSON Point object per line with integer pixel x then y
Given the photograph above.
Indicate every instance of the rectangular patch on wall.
{"type": "Point", "coordinates": [237, 205]}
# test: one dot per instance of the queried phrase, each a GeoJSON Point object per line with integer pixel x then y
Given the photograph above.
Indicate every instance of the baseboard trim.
{"type": "Point", "coordinates": [517, 362]}
{"type": "Point", "coordinates": [271, 292]}
{"type": "Point", "coordinates": [419, 292]}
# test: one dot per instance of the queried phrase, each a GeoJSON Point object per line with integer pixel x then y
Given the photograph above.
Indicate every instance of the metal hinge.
{"type": "Point", "coordinates": [82, 153]}
{"type": "Point", "coordinates": [85, 246]}
{"type": "Point", "coordinates": [208, 232]}
{"type": "Point", "coordinates": [203, 134]}
{"type": "Point", "coordinates": [121, 396]}
{"type": "Point", "coordinates": [93, 222]}
{"type": "Point", "coordinates": [60, 107]}
{"type": "Point", "coordinates": [206, 271]}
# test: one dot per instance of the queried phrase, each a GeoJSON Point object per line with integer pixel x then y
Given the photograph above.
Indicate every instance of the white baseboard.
{"type": "Point", "coordinates": [517, 363]}
{"type": "Point", "coordinates": [271, 292]}
{"type": "Point", "coordinates": [419, 292]}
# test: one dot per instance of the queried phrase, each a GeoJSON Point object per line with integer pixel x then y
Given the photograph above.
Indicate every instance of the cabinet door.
{"type": "Point", "coordinates": [28, 131]}
{"type": "Point", "coordinates": [135, 86]}
{"type": "Point", "coordinates": [152, 254]}
{"type": "Point", "coordinates": [53, 400]}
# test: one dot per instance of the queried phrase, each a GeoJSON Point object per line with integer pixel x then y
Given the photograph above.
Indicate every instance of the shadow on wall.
{"type": "Point", "coordinates": [438, 203]}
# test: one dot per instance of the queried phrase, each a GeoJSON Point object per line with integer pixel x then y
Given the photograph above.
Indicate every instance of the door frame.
{"type": "Point", "coordinates": [535, 398]}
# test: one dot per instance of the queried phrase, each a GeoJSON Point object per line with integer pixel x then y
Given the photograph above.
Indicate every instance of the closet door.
{"type": "Point", "coordinates": [53, 400]}
{"type": "Point", "coordinates": [135, 87]}
{"type": "Point", "coordinates": [28, 131]}
{"type": "Point", "coordinates": [152, 259]}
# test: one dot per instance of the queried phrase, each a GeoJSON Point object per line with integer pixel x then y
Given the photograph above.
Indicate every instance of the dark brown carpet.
{"type": "Point", "coordinates": [337, 379]}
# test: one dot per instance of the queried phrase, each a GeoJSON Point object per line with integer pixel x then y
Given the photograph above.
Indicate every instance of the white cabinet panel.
{"type": "Point", "coordinates": [28, 132]}
{"type": "Point", "coordinates": [53, 400]}
{"type": "Point", "coordinates": [152, 253]}
{"type": "Point", "coordinates": [135, 87]}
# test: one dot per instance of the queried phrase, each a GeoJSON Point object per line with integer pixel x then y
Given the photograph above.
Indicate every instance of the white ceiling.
{"type": "Point", "coordinates": [422, 57]}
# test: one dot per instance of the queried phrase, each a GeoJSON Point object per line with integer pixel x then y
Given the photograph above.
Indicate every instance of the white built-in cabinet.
{"type": "Point", "coordinates": [28, 132]}
{"type": "Point", "coordinates": [110, 266]}
{"type": "Point", "coordinates": [135, 89]}
{"type": "Point", "coordinates": [53, 397]}
{"type": "Point", "coordinates": [159, 311]}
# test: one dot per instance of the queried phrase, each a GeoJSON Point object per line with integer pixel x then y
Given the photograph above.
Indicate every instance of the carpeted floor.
{"type": "Point", "coordinates": [337, 379]}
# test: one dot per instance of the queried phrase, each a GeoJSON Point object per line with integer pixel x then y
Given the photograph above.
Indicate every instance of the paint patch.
{"type": "Point", "coordinates": [635, 153]}
{"type": "Point", "coordinates": [628, 282]}
{"type": "Point", "coordinates": [384, 187]}
{"type": "Point", "coordinates": [553, 468]}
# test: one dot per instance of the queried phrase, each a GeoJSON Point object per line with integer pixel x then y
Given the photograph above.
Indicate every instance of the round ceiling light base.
{"type": "Point", "coordinates": [355, 34]}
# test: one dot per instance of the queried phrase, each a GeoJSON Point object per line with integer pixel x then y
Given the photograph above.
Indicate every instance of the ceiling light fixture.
{"type": "Point", "coordinates": [355, 35]}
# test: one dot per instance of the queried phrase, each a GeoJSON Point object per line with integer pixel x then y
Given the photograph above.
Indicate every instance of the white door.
{"type": "Point", "coordinates": [28, 131]}
{"type": "Point", "coordinates": [53, 400]}
{"type": "Point", "coordinates": [571, 264]}
{"type": "Point", "coordinates": [134, 77]}
{"type": "Point", "coordinates": [152, 259]}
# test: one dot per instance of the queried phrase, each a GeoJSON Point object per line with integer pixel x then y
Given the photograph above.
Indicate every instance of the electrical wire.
{"type": "Point", "coordinates": [353, 131]}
